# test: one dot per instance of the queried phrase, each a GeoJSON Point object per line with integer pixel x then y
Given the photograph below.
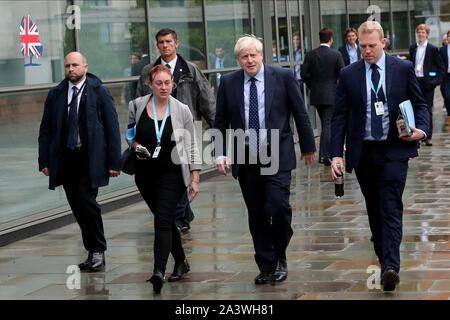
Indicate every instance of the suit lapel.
{"type": "Point", "coordinates": [413, 58]}
{"type": "Point", "coordinates": [446, 57]}
{"type": "Point", "coordinates": [388, 73]}
{"type": "Point", "coordinates": [362, 81]}
{"type": "Point", "coordinates": [239, 87]}
{"type": "Point", "coordinates": [269, 87]}
{"type": "Point", "coordinates": [62, 112]}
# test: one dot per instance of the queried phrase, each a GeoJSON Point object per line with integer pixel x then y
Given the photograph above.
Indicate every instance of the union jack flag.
{"type": "Point", "coordinates": [29, 38]}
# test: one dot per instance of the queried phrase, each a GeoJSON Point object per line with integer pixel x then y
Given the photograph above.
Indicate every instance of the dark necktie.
{"type": "Point", "coordinates": [376, 121]}
{"type": "Point", "coordinates": [168, 67]}
{"type": "Point", "coordinates": [253, 117]}
{"type": "Point", "coordinates": [72, 122]}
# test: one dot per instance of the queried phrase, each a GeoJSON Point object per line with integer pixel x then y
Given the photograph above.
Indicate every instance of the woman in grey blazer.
{"type": "Point", "coordinates": [163, 137]}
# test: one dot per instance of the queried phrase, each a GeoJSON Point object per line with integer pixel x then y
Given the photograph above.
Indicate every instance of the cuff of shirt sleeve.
{"type": "Point", "coordinates": [424, 134]}
{"type": "Point", "coordinates": [220, 159]}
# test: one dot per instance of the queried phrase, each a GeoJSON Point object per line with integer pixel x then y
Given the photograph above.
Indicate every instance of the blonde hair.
{"type": "Point", "coordinates": [425, 27]}
{"type": "Point", "coordinates": [371, 26]}
{"type": "Point", "coordinates": [246, 42]}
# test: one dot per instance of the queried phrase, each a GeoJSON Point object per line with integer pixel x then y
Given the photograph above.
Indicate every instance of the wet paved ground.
{"type": "Point", "coordinates": [328, 256]}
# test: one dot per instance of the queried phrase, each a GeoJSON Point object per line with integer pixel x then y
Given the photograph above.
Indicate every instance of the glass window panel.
{"type": "Point", "coordinates": [282, 32]}
{"type": "Point", "coordinates": [385, 18]}
{"type": "Point", "coordinates": [357, 11]}
{"type": "Point", "coordinates": [110, 32]}
{"type": "Point", "coordinates": [426, 7]}
{"type": "Point", "coordinates": [19, 126]}
{"type": "Point", "coordinates": [334, 17]}
{"type": "Point", "coordinates": [55, 37]}
{"type": "Point", "coordinates": [400, 37]}
{"type": "Point", "coordinates": [185, 17]}
{"type": "Point", "coordinates": [227, 21]}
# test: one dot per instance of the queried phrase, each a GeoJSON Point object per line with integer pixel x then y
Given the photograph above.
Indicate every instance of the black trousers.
{"type": "Point", "coordinates": [184, 214]}
{"type": "Point", "coordinates": [269, 213]}
{"type": "Point", "coordinates": [325, 112]}
{"type": "Point", "coordinates": [161, 192]}
{"type": "Point", "coordinates": [445, 89]}
{"type": "Point", "coordinates": [82, 199]}
{"type": "Point", "coordinates": [428, 94]}
{"type": "Point", "coordinates": [382, 183]}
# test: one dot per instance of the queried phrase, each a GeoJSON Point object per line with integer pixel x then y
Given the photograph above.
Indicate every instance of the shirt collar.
{"type": "Point", "coordinates": [325, 45]}
{"type": "Point", "coordinates": [259, 76]}
{"type": "Point", "coordinates": [79, 85]}
{"type": "Point", "coordinates": [381, 63]}
{"type": "Point", "coordinates": [172, 63]}
{"type": "Point", "coordinates": [424, 44]}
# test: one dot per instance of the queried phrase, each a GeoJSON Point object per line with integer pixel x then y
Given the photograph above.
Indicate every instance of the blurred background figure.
{"type": "Point", "coordinates": [129, 89]}
{"type": "Point", "coordinates": [350, 50]}
{"type": "Point", "coordinates": [297, 54]}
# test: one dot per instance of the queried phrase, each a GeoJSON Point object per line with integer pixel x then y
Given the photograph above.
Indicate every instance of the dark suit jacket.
{"type": "Point", "coordinates": [346, 56]}
{"type": "Point", "coordinates": [99, 131]}
{"type": "Point", "coordinates": [444, 56]}
{"type": "Point", "coordinates": [320, 72]}
{"type": "Point", "coordinates": [282, 98]}
{"type": "Point", "coordinates": [432, 64]}
{"type": "Point", "coordinates": [348, 122]}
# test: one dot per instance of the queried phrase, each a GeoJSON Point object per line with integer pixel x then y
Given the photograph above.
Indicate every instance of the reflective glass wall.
{"type": "Point", "coordinates": [116, 34]}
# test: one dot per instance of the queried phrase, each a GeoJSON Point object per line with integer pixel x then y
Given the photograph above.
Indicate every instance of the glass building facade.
{"type": "Point", "coordinates": [110, 32]}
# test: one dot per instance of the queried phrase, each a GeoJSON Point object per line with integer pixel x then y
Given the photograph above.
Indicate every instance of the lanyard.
{"type": "Point", "coordinates": [380, 82]}
{"type": "Point", "coordinates": [75, 96]}
{"type": "Point", "coordinates": [159, 131]}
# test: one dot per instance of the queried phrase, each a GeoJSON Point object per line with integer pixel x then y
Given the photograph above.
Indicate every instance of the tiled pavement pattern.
{"type": "Point", "coordinates": [327, 258]}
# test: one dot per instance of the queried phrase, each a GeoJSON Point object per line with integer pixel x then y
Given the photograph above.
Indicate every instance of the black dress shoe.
{"type": "Point", "coordinates": [281, 272]}
{"type": "Point", "coordinates": [84, 266]}
{"type": "Point", "coordinates": [97, 262]}
{"type": "Point", "coordinates": [179, 270]}
{"type": "Point", "coordinates": [389, 279]}
{"type": "Point", "coordinates": [264, 278]}
{"type": "Point", "coordinates": [157, 280]}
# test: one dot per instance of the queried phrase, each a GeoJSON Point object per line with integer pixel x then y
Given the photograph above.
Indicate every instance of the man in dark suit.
{"type": "Point", "coordinates": [79, 148]}
{"type": "Point", "coordinates": [257, 102]}
{"type": "Point", "coordinates": [192, 88]}
{"type": "Point", "coordinates": [429, 69]}
{"type": "Point", "coordinates": [367, 99]}
{"type": "Point", "coordinates": [445, 85]}
{"type": "Point", "coordinates": [320, 72]}
{"type": "Point", "coordinates": [219, 60]}
{"type": "Point", "coordinates": [350, 50]}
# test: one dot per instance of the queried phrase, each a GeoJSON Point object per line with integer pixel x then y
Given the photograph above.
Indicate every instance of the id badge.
{"type": "Point", "coordinates": [379, 108]}
{"type": "Point", "coordinates": [156, 152]}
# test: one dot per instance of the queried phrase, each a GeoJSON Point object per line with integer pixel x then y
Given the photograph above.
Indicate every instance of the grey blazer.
{"type": "Point", "coordinates": [186, 152]}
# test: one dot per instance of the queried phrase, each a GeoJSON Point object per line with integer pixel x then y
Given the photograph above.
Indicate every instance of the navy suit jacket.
{"type": "Point", "coordinates": [99, 131]}
{"type": "Point", "coordinates": [346, 56]}
{"type": "Point", "coordinates": [282, 98]}
{"type": "Point", "coordinates": [432, 64]}
{"type": "Point", "coordinates": [444, 56]}
{"type": "Point", "coordinates": [349, 119]}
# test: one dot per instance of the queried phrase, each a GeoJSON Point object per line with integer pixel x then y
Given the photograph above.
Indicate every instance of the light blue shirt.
{"type": "Point", "coordinates": [381, 64]}
{"type": "Point", "coordinates": [298, 58]}
{"type": "Point", "coordinates": [448, 58]}
{"type": "Point", "coordinates": [420, 57]}
{"type": "Point", "coordinates": [352, 53]}
{"type": "Point", "coordinates": [261, 101]}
